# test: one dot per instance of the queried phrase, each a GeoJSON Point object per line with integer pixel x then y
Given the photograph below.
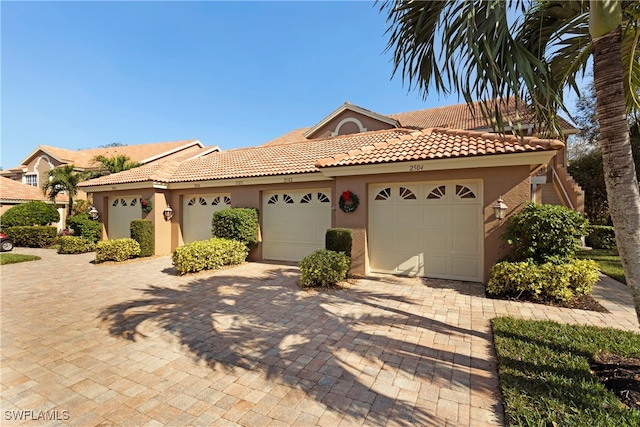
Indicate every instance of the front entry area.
{"type": "Point", "coordinates": [294, 222]}
{"type": "Point", "coordinates": [430, 229]}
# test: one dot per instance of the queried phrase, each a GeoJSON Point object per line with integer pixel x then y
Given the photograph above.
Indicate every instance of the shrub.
{"type": "Point", "coordinates": [545, 233]}
{"type": "Point", "coordinates": [548, 281]}
{"type": "Point", "coordinates": [142, 232]}
{"type": "Point", "coordinates": [33, 236]}
{"type": "Point", "coordinates": [209, 255]}
{"type": "Point", "coordinates": [239, 224]}
{"type": "Point", "coordinates": [339, 240]}
{"type": "Point", "coordinates": [80, 206]}
{"type": "Point", "coordinates": [86, 227]}
{"type": "Point", "coordinates": [117, 250]}
{"type": "Point", "coordinates": [75, 245]}
{"type": "Point", "coordinates": [30, 213]}
{"type": "Point", "coordinates": [323, 268]}
{"type": "Point", "coordinates": [601, 237]}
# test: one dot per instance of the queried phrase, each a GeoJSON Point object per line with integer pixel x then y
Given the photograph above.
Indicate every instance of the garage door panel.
{"type": "Point", "coordinates": [427, 229]}
{"type": "Point", "coordinates": [197, 215]}
{"type": "Point", "coordinates": [292, 230]}
{"type": "Point", "coordinates": [122, 210]}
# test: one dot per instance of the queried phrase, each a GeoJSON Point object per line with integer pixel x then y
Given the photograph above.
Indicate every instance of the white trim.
{"type": "Point", "coordinates": [240, 181]}
{"type": "Point", "coordinates": [349, 120]}
{"type": "Point", "coordinates": [169, 152]}
{"type": "Point", "coordinates": [513, 159]}
{"type": "Point", "coordinates": [213, 149]}
{"type": "Point", "coordinates": [117, 187]}
{"type": "Point", "coordinates": [346, 106]}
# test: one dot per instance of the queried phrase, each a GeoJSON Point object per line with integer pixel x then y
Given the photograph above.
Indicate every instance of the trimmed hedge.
{"type": "Point", "coordinates": [33, 236]}
{"type": "Point", "coordinates": [239, 224]}
{"type": "Point", "coordinates": [30, 214]}
{"type": "Point", "coordinates": [601, 237]}
{"type": "Point", "coordinates": [142, 232]}
{"type": "Point", "coordinates": [117, 250]}
{"type": "Point", "coordinates": [548, 281]}
{"type": "Point", "coordinates": [339, 240]}
{"type": "Point", "coordinates": [75, 245]}
{"type": "Point", "coordinates": [545, 233]}
{"type": "Point", "coordinates": [323, 268]}
{"type": "Point", "coordinates": [83, 226]}
{"type": "Point", "coordinates": [209, 254]}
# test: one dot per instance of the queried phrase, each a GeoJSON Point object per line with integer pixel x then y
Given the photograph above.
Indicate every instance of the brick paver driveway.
{"type": "Point", "coordinates": [134, 344]}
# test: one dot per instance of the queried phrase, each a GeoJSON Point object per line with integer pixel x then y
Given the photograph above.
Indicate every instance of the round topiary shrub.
{"type": "Point", "coordinates": [29, 214]}
{"type": "Point", "coordinates": [323, 268]}
{"type": "Point", "coordinates": [545, 233]}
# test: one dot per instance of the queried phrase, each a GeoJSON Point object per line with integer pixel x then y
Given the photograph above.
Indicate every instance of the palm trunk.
{"type": "Point", "coordinates": [619, 169]}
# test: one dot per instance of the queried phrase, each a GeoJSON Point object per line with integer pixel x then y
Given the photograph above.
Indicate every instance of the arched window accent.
{"type": "Point", "coordinates": [384, 194]}
{"type": "Point", "coordinates": [287, 199]}
{"type": "Point", "coordinates": [216, 201]}
{"type": "Point", "coordinates": [192, 202]}
{"type": "Point", "coordinates": [115, 202]}
{"type": "Point", "coordinates": [323, 198]}
{"type": "Point", "coordinates": [307, 198]}
{"type": "Point", "coordinates": [227, 200]}
{"type": "Point", "coordinates": [438, 192]}
{"type": "Point", "coordinates": [407, 194]}
{"type": "Point", "coordinates": [273, 200]}
{"type": "Point", "coordinates": [134, 202]}
{"type": "Point", "coordinates": [464, 192]}
{"type": "Point", "coordinates": [202, 201]}
{"type": "Point", "coordinates": [123, 202]}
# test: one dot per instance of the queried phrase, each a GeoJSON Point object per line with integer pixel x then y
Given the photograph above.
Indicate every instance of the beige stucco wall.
{"type": "Point", "coordinates": [41, 164]}
{"type": "Point", "coordinates": [349, 127]}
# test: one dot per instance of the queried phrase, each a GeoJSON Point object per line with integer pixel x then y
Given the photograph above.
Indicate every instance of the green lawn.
{"type": "Point", "coordinates": [608, 260]}
{"type": "Point", "coordinates": [545, 376]}
{"type": "Point", "coordinates": [7, 258]}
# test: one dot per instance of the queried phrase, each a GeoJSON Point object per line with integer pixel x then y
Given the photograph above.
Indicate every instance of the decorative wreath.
{"type": "Point", "coordinates": [146, 205]}
{"type": "Point", "coordinates": [348, 201]}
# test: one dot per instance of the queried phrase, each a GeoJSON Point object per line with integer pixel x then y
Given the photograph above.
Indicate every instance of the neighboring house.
{"type": "Point", "coordinates": [35, 167]}
{"type": "Point", "coordinates": [13, 193]}
{"type": "Point", "coordinates": [426, 189]}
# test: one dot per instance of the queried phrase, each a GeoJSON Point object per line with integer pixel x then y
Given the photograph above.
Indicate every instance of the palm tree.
{"type": "Point", "coordinates": [64, 179]}
{"type": "Point", "coordinates": [471, 47]}
{"type": "Point", "coordinates": [116, 164]}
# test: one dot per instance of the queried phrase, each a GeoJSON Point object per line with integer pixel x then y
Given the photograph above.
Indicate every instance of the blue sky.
{"type": "Point", "coordinates": [83, 74]}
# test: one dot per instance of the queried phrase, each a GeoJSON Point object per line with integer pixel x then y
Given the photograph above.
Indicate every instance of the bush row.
{"type": "Point", "coordinates": [547, 281]}
{"type": "Point", "coordinates": [323, 268]}
{"type": "Point", "coordinates": [83, 226]}
{"type": "Point", "coordinates": [209, 255]}
{"type": "Point", "coordinates": [29, 214]}
{"type": "Point", "coordinates": [32, 236]}
{"type": "Point", "coordinates": [117, 250]}
{"type": "Point", "coordinates": [75, 245]}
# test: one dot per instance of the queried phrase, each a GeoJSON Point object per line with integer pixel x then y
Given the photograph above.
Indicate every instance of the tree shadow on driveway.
{"type": "Point", "coordinates": [343, 348]}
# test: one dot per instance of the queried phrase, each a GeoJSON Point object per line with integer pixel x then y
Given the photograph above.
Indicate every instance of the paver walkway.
{"type": "Point", "coordinates": [134, 344]}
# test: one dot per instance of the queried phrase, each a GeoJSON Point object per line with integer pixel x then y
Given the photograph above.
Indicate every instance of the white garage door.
{"type": "Point", "coordinates": [294, 223]}
{"type": "Point", "coordinates": [122, 210]}
{"type": "Point", "coordinates": [431, 229]}
{"type": "Point", "coordinates": [198, 212]}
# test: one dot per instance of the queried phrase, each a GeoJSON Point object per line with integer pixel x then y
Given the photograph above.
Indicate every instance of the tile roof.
{"type": "Point", "coordinates": [439, 143]}
{"type": "Point", "coordinates": [250, 162]}
{"type": "Point", "coordinates": [137, 153]}
{"type": "Point", "coordinates": [17, 191]}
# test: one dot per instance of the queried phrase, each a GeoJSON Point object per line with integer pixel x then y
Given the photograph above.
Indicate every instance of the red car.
{"type": "Point", "coordinates": [6, 244]}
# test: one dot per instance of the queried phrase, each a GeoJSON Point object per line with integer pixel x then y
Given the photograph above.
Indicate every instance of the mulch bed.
{"type": "Point", "coordinates": [621, 375]}
{"type": "Point", "coordinates": [583, 302]}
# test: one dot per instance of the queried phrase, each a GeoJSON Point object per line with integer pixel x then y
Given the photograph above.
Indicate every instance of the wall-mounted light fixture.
{"type": "Point", "coordinates": [168, 213]}
{"type": "Point", "coordinates": [93, 213]}
{"type": "Point", "coordinates": [500, 209]}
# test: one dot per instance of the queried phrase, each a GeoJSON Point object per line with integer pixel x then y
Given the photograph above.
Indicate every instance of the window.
{"type": "Point", "coordinates": [31, 179]}
{"type": "Point", "coordinates": [384, 194]}
{"type": "Point", "coordinates": [437, 193]}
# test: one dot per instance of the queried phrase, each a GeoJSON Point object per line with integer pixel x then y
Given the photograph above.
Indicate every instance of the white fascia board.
{"type": "Point", "coordinates": [213, 149]}
{"type": "Point", "coordinates": [169, 152]}
{"type": "Point", "coordinates": [33, 153]}
{"type": "Point", "coordinates": [489, 161]}
{"type": "Point", "coordinates": [235, 182]}
{"type": "Point", "coordinates": [118, 187]}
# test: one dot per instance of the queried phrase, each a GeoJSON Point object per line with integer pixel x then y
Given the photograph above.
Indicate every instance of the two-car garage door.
{"type": "Point", "coordinates": [431, 229]}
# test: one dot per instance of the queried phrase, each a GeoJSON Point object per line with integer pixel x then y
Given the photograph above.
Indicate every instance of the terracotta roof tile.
{"type": "Point", "coordinates": [439, 143]}
{"type": "Point", "coordinates": [17, 191]}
